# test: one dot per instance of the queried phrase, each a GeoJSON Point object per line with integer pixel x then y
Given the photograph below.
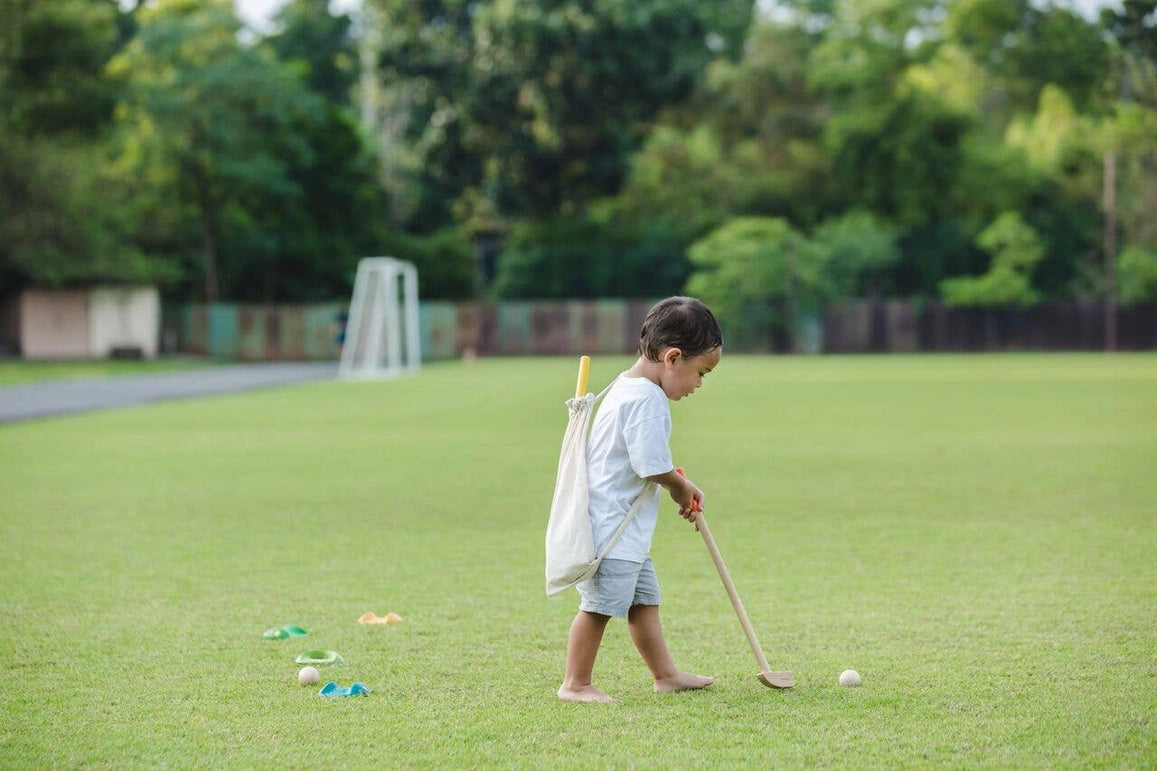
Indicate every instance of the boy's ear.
{"type": "Point", "coordinates": [671, 356]}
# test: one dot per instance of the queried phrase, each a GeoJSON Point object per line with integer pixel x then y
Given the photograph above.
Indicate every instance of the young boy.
{"type": "Point", "coordinates": [679, 343]}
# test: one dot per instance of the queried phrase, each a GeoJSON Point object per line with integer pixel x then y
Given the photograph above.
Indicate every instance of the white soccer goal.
{"type": "Point", "coordinates": [382, 337]}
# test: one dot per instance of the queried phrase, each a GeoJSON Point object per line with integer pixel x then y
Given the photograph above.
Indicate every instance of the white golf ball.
{"type": "Point", "coordinates": [309, 676]}
{"type": "Point", "coordinates": [849, 677]}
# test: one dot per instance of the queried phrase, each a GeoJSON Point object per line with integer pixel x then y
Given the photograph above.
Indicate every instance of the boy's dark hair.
{"type": "Point", "coordinates": [679, 322]}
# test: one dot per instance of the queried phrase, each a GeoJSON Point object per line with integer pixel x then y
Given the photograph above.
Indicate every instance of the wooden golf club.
{"type": "Point", "coordinates": [580, 388]}
{"type": "Point", "coordinates": [766, 676]}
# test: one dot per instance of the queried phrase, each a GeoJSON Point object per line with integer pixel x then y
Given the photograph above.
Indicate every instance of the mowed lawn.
{"type": "Point", "coordinates": [18, 372]}
{"type": "Point", "coordinates": [976, 535]}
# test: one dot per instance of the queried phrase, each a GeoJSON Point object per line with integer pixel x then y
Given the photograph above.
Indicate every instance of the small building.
{"type": "Point", "coordinates": [94, 323]}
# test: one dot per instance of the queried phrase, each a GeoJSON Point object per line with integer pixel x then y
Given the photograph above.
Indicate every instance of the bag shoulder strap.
{"type": "Point", "coordinates": [592, 404]}
{"type": "Point", "coordinates": [603, 392]}
{"type": "Point", "coordinates": [648, 489]}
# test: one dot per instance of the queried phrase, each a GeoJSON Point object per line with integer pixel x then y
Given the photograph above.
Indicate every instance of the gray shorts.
{"type": "Point", "coordinates": [619, 584]}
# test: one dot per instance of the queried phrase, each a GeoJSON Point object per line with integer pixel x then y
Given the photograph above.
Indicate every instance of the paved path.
{"type": "Point", "coordinates": [60, 397]}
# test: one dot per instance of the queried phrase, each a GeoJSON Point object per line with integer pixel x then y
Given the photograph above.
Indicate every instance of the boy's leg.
{"type": "Point", "coordinates": [647, 632]}
{"type": "Point", "coordinates": [586, 634]}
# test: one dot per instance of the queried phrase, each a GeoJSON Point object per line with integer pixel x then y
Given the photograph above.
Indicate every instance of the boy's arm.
{"type": "Point", "coordinates": [683, 492]}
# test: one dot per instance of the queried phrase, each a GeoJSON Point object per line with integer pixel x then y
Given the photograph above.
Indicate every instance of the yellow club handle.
{"type": "Point", "coordinates": [580, 388]}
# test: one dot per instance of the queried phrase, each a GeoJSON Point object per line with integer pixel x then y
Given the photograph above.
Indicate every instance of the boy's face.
{"type": "Point", "coordinates": [681, 376]}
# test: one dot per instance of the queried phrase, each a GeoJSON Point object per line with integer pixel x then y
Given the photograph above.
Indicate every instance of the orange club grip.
{"type": "Point", "coordinates": [694, 501]}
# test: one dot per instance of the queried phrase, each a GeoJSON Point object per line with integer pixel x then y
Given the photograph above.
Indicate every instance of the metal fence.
{"type": "Point", "coordinates": [908, 325]}
{"type": "Point", "coordinates": [449, 330]}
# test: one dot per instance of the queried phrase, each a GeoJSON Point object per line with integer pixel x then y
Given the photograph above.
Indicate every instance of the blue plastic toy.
{"type": "Point", "coordinates": [333, 690]}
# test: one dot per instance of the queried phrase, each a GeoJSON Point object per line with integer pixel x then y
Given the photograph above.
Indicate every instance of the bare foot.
{"type": "Point", "coordinates": [682, 681]}
{"type": "Point", "coordinates": [584, 693]}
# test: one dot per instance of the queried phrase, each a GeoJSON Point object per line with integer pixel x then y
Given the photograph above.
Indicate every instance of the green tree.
{"type": "Point", "coordinates": [757, 274]}
{"type": "Point", "coordinates": [1043, 68]}
{"type": "Point", "coordinates": [1133, 88]}
{"type": "Point", "coordinates": [1132, 26]}
{"type": "Point", "coordinates": [770, 121]}
{"type": "Point", "coordinates": [278, 182]}
{"type": "Point", "coordinates": [444, 260]}
{"type": "Point", "coordinates": [895, 149]}
{"type": "Point", "coordinates": [562, 88]}
{"type": "Point", "coordinates": [582, 257]}
{"type": "Point", "coordinates": [1137, 275]}
{"type": "Point", "coordinates": [1129, 130]}
{"type": "Point", "coordinates": [1015, 249]}
{"type": "Point", "coordinates": [1026, 47]}
{"type": "Point", "coordinates": [1060, 184]}
{"type": "Point", "coordinates": [51, 59]}
{"type": "Point", "coordinates": [860, 250]}
{"type": "Point", "coordinates": [537, 106]}
{"type": "Point", "coordinates": [321, 44]}
{"type": "Point", "coordinates": [749, 140]}
{"type": "Point", "coordinates": [207, 115]}
{"type": "Point", "coordinates": [684, 181]}
{"type": "Point", "coordinates": [304, 242]}
{"type": "Point", "coordinates": [416, 65]}
{"type": "Point", "coordinates": [61, 219]}
{"type": "Point", "coordinates": [899, 158]}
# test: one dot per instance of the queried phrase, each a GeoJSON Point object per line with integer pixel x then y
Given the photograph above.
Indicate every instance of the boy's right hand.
{"type": "Point", "coordinates": [685, 493]}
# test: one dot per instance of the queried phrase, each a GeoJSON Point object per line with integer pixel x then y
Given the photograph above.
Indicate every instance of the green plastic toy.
{"type": "Point", "coordinates": [320, 657]}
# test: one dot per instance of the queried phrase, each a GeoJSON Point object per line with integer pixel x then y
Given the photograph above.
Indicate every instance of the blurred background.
{"type": "Point", "coordinates": [202, 176]}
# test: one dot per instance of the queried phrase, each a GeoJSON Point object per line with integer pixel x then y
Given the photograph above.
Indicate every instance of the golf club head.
{"type": "Point", "coordinates": [777, 679]}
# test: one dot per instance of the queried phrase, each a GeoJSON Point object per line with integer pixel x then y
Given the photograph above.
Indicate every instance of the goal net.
{"type": "Point", "coordinates": [382, 336]}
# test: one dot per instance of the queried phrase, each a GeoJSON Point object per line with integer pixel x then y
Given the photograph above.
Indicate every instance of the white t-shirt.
{"type": "Point", "coordinates": [629, 441]}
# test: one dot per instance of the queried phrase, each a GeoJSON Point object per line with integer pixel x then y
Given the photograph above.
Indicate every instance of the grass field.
{"type": "Point", "coordinates": [19, 372]}
{"type": "Point", "coordinates": [976, 535]}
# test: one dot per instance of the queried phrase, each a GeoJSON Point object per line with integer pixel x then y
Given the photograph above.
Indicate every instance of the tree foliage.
{"type": "Point", "coordinates": [757, 273]}
{"type": "Point", "coordinates": [61, 214]}
{"type": "Point", "coordinates": [321, 45]}
{"type": "Point", "coordinates": [210, 117]}
{"type": "Point", "coordinates": [1026, 48]}
{"type": "Point", "coordinates": [773, 155]}
{"type": "Point", "coordinates": [1015, 249]}
{"type": "Point", "coordinates": [58, 227]}
{"type": "Point", "coordinates": [580, 257]}
{"type": "Point", "coordinates": [538, 106]}
{"type": "Point", "coordinates": [51, 57]}
{"type": "Point", "coordinates": [859, 250]}
{"type": "Point", "coordinates": [268, 182]}
{"type": "Point", "coordinates": [1137, 275]}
